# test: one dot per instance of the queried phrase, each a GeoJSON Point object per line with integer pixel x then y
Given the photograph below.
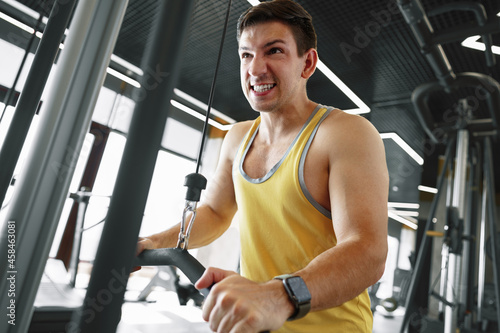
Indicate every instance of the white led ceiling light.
{"type": "Point", "coordinates": [203, 106]}
{"type": "Point", "coordinates": [122, 77]}
{"type": "Point", "coordinates": [428, 189]}
{"type": "Point", "coordinates": [198, 115]}
{"type": "Point", "coordinates": [402, 143]}
{"type": "Point", "coordinates": [404, 217]}
{"type": "Point", "coordinates": [473, 43]}
{"type": "Point", "coordinates": [405, 221]}
{"type": "Point", "coordinates": [402, 205]}
{"type": "Point", "coordinates": [404, 212]}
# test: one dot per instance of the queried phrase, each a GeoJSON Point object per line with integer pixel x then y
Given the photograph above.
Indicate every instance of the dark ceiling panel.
{"type": "Point", "coordinates": [201, 51]}
{"type": "Point", "coordinates": [135, 30]}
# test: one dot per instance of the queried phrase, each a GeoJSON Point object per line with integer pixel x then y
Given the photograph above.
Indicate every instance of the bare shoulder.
{"type": "Point", "coordinates": [240, 129]}
{"type": "Point", "coordinates": [345, 123]}
{"type": "Point", "coordinates": [341, 131]}
{"type": "Point", "coordinates": [234, 137]}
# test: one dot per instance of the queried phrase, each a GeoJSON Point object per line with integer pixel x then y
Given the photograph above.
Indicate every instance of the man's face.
{"type": "Point", "coordinates": [270, 68]}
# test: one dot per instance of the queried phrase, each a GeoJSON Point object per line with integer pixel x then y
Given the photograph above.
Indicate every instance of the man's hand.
{"type": "Point", "coordinates": [238, 305]}
{"type": "Point", "coordinates": [142, 244]}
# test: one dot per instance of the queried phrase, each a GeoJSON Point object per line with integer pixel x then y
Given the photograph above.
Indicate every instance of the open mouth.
{"type": "Point", "coordinates": [263, 87]}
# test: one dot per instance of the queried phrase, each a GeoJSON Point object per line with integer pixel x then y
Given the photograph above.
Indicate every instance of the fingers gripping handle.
{"type": "Point", "coordinates": [177, 257]}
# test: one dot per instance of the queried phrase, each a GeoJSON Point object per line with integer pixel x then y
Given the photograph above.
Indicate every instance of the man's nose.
{"type": "Point", "coordinates": [257, 67]}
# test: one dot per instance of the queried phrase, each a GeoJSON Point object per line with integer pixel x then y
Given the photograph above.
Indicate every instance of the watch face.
{"type": "Point", "coordinates": [299, 288]}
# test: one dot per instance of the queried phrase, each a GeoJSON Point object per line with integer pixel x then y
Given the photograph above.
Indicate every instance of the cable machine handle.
{"type": "Point", "coordinates": [177, 257]}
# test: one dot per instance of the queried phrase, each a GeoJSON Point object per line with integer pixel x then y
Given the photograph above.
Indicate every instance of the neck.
{"type": "Point", "coordinates": [281, 123]}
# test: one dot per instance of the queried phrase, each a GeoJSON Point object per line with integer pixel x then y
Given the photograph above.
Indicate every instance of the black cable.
{"type": "Point", "coordinates": [212, 89]}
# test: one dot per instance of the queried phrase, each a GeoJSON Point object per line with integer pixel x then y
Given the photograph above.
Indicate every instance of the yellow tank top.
{"type": "Point", "coordinates": [282, 228]}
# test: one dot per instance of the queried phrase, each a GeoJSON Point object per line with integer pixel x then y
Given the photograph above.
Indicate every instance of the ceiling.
{"type": "Point", "coordinates": [382, 68]}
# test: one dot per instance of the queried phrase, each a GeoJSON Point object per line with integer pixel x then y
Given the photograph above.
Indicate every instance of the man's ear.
{"type": "Point", "coordinates": [311, 60]}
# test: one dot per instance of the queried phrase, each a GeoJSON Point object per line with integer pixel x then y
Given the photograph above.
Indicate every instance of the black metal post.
{"type": "Point", "coordinates": [414, 14]}
{"type": "Point", "coordinates": [425, 243]}
{"type": "Point", "coordinates": [82, 198]}
{"type": "Point", "coordinates": [473, 204]}
{"type": "Point", "coordinates": [116, 249]}
{"type": "Point", "coordinates": [30, 97]}
{"type": "Point", "coordinates": [489, 181]}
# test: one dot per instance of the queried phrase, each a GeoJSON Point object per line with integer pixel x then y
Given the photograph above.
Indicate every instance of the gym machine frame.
{"type": "Point", "coordinates": [42, 187]}
{"type": "Point", "coordinates": [459, 233]}
{"type": "Point", "coordinates": [456, 247]}
{"type": "Point", "coordinates": [28, 102]}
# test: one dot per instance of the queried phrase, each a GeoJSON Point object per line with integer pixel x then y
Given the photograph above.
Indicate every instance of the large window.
{"type": "Point", "coordinates": [75, 183]}
{"type": "Point", "coordinates": [166, 196]}
{"type": "Point", "coordinates": [101, 193]}
{"type": "Point", "coordinates": [165, 200]}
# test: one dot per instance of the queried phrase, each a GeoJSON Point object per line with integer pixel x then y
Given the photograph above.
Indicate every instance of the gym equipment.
{"type": "Point", "coordinates": [489, 246]}
{"type": "Point", "coordinates": [168, 278]}
{"type": "Point", "coordinates": [10, 93]}
{"type": "Point", "coordinates": [177, 257]}
{"type": "Point", "coordinates": [43, 185]}
{"type": "Point", "coordinates": [55, 301]}
{"type": "Point", "coordinates": [30, 97]}
{"type": "Point", "coordinates": [455, 298]}
{"type": "Point", "coordinates": [390, 304]}
{"type": "Point", "coordinates": [82, 197]}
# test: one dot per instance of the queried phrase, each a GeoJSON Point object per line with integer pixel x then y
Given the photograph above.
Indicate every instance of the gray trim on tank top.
{"type": "Point", "coordinates": [277, 165]}
{"type": "Point", "coordinates": [302, 182]}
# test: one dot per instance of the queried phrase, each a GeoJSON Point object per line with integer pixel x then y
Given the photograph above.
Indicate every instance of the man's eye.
{"type": "Point", "coordinates": [245, 55]}
{"type": "Point", "coordinates": [275, 50]}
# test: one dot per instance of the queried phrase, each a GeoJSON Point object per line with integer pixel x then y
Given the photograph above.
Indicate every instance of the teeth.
{"type": "Point", "coordinates": [263, 87]}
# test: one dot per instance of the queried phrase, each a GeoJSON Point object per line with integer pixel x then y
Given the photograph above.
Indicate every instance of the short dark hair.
{"type": "Point", "coordinates": [286, 11]}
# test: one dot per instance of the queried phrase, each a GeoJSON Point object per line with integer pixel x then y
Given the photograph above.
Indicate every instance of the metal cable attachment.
{"type": "Point", "coordinates": [195, 183]}
{"type": "Point", "coordinates": [182, 242]}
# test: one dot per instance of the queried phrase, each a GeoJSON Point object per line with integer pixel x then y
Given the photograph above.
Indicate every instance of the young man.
{"type": "Point", "coordinates": [310, 185]}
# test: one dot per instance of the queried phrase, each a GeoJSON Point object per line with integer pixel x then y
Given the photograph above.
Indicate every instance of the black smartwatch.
{"type": "Point", "coordinates": [298, 293]}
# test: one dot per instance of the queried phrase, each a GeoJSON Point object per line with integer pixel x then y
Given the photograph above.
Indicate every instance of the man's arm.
{"type": "Point", "coordinates": [358, 187]}
{"type": "Point", "coordinates": [215, 213]}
